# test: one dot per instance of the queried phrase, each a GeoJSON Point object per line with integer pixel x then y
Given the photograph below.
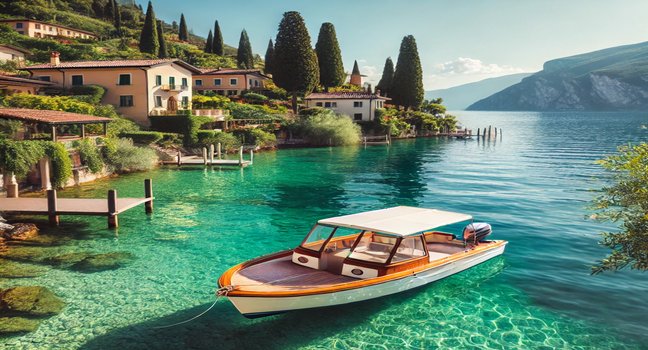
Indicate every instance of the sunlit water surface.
{"type": "Point", "coordinates": [533, 186]}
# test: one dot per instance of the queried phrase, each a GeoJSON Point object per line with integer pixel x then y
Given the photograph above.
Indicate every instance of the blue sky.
{"type": "Point", "coordinates": [459, 41]}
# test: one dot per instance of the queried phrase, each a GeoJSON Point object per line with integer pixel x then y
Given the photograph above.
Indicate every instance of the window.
{"type": "Point", "coordinates": [217, 82]}
{"type": "Point", "coordinates": [357, 116]}
{"type": "Point", "coordinates": [318, 104]}
{"type": "Point", "coordinates": [373, 247]}
{"type": "Point", "coordinates": [37, 26]}
{"type": "Point", "coordinates": [185, 101]}
{"type": "Point", "coordinates": [316, 238]}
{"type": "Point", "coordinates": [171, 81]}
{"type": "Point", "coordinates": [45, 78]}
{"type": "Point", "coordinates": [77, 80]}
{"type": "Point", "coordinates": [19, 25]}
{"type": "Point", "coordinates": [334, 104]}
{"type": "Point", "coordinates": [233, 81]}
{"type": "Point", "coordinates": [68, 32]}
{"type": "Point", "coordinates": [357, 104]}
{"type": "Point", "coordinates": [184, 82]}
{"type": "Point", "coordinates": [51, 29]}
{"type": "Point", "coordinates": [198, 82]}
{"type": "Point", "coordinates": [158, 101]}
{"type": "Point", "coordinates": [256, 83]}
{"type": "Point", "coordinates": [126, 101]}
{"type": "Point", "coordinates": [158, 80]}
{"type": "Point", "coordinates": [409, 248]}
{"type": "Point", "coordinates": [124, 79]}
{"type": "Point", "coordinates": [250, 81]}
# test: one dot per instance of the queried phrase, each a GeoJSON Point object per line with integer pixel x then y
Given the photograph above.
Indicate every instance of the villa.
{"type": "Point", "coordinates": [229, 82]}
{"type": "Point", "coordinates": [12, 53]}
{"type": "Point", "coordinates": [38, 29]}
{"type": "Point", "coordinates": [137, 88]}
{"type": "Point", "coordinates": [13, 85]}
{"type": "Point", "coordinates": [361, 106]}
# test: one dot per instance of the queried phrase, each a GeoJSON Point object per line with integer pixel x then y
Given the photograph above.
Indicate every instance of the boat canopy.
{"type": "Point", "coordinates": [400, 221]}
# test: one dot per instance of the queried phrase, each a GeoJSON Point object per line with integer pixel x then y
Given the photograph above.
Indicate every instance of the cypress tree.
{"type": "Point", "coordinates": [385, 83]}
{"type": "Point", "coordinates": [218, 46]}
{"type": "Point", "coordinates": [183, 34]}
{"type": "Point", "coordinates": [295, 67]}
{"type": "Point", "coordinates": [329, 57]}
{"type": "Point", "coordinates": [117, 19]}
{"type": "Point", "coordinates": [269, 57]}
{"type": "Point", "coordinates": [109, 10]}
{"type": "Point", "coordinates": [162, 52]}
{"type": "Point", "coordinates": [244, 56]}
{"type": "Point", "coordinates": [149, 37]}
{"type": "Point", "coordinates": [209, 43]}
{"type": "Point", "coordinates": [98, 8]}
{"type": "Point", "coordinates": [407, 87]}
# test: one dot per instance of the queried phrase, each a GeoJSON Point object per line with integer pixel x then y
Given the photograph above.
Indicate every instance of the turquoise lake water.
{"type": "Point", "coordinates": [533, 186]}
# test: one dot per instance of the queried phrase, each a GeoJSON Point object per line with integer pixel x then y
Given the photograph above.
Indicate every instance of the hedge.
{"type": "Point", "coordinates": [187, 125]}
{"type": "Point", "coordinates": [229, 142]}
{"type": "Point", "coordinates": [143, 137]}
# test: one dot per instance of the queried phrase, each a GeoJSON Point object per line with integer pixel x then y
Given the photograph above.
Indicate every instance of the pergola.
{"type": "Point", "coordinates": [52, 119]}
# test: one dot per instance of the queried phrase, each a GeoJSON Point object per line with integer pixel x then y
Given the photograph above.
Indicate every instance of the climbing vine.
{"type": "Point", "coordinates": [19, 157]}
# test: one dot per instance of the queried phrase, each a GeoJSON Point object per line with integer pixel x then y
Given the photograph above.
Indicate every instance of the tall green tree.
{"type": "Point", "coordinates": [295, 66]}
{"type": "Point", "coordinates": [183, 32]}
{"type": "Point", "coordinates": [209, 43]}
{"type": "Point", "coordinates": [117, 20]}
{"type": "Point", "coordinates": [98, 8]}
{"type": "Point", "coordinates": [218, 47]}
{"type": "Point", "coordinates": [407, 87]}
{"type": "Point", "coordinates": [109, 10]}
{"type": "Point", "coordinates": [149, 37]}
{"type": "Point", "coordinates": [329, 57]}
{"type": "Point", "coordinates": [625, 201]}
{"type": "Point", "coordinates": [387, 79]}
{"type": "Point", "coordinates": [163, 51]}
{"type": "Point", "coordinates": [244, 56]}
{"type": "Point", "coordinates": [269, 58]}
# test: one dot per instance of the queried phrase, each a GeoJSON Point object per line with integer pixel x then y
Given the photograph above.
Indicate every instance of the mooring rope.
{"type": "Point", "coordinates": [219, 293]}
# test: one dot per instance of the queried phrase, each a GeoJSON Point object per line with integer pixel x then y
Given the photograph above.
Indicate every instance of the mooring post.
{"type": "Point", "coordinates": [251, 156]}
{"type": "Point", "coordinates": [148, 194]}
{"type": "Point", "coordinates": [500, 134]}
{"type": "Point", "coordinates": [218, 150]}
{"type": "Point", "coordinates": [113, 220]}
{"type": "Point", "coordinates": [179, 158]}
{"type": "Point", "coordinates": [489, 132]}
{"type": "Point", "coordinates": [495, 133]}
{"type": "Point", "coordinates": [241, 156]}
{"type": "Point", "coordinates": [478, 132]}
{"type": "Point", "coordinates": [52, 207]}
{"type": "Point", "coordinates": [211, 153]}
{"type": "Point", "coordinates": [364, 140]}
{"type": "Point", "coordinates": [204, 154]}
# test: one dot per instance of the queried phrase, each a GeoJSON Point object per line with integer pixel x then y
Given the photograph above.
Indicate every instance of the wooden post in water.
{"type": "Point", "coordinates": [218, 150]}
{"type": "Point", "coordinates": [489, 132]}
{"type": "Point", "coordinates": [495, 133]}
{"type": "Point", "coordinates": [364, 140]}
{"type": "Point", "coordinates": [211, 154]}
{"type": "Point", "coordinates": [204, 154]}
{"type": "Point", "coordinates": [500, 134]}
{"type": "Point", "coordinates": [478, 132]}
{"type": "Point", "coordinates": [251, 156]}
{"type": "Point", "coordinates": [113, 220]}
{"type": "Point", "coordinates": [387, 138]}
{"type": "Point", "coordinates": [52, 208]}
{"type": "Point", "coordinates": [179, 158]}
{"type": "Point", "coordinates": [148, 193]}
{"type": "Point", "coordinates": [241, 156]}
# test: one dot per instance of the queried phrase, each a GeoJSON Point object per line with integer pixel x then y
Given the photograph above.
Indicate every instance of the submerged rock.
{"type": "Point", "coordinates": [103, 262]}
{"type": "Point", "coordinates": [10, 269]}
{"type": "Point", "coordinates": [21, 232]}
{"type": "Point", "coordinates": [28, 254]}
{"type": "Point", "coordinates": [16, 325]}
{"type": "Point", "coordinates": [67, 259]}
{"type": "Point", "coordinates": [30, 300]}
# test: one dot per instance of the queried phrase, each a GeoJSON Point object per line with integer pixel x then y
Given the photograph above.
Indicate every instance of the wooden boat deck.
{"type": "Point", "coordinates": [282, 274]}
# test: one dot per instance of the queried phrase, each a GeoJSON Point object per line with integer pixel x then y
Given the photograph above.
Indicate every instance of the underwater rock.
{"type": "Point", "coordinates": [28, 254]}
{"type": "Point", "coordinates": [9, 269]}
{"type": "Point", "coordinates": [15, 325]}
{"type": "Point", "coordinates": [67, 259]}
{"type": "Point", "coordinates": [103, 262]}
{"type": "Point", "coordinates": [21, 232]}
{"type": "Point", "coordinates": [178, 237]}
{"type": "Point", "coordinates": [30, 300]}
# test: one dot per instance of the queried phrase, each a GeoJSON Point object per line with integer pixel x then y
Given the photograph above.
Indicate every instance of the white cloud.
{"type": "Point", "coordinates": [472, 66]}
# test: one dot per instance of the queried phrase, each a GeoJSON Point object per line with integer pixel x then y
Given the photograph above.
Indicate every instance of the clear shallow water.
{"type": "Point", "coordinates": [533, 186]}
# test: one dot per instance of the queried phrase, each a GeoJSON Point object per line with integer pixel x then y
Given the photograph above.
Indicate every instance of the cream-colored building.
{"type": "Point", "coordinates": [137, 88]}
{"type": "Point", "coordinates": [12, 53]}
{"type": "Point", "coordinates": [37, 29]}
{"type": "Point", "coordinates": [229, 82]}
{"type": "Point", "coordinates": [15, 85]}
{"type": "Point", "coordinates": [360, 106]}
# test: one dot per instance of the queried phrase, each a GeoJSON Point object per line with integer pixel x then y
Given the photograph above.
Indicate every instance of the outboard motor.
{"type": "Point", "coordinates": [476, 232]}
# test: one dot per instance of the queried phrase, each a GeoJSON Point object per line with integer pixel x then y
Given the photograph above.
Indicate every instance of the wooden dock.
{"type": "Point", "coordinates": [52, 206]}
{"type": "Point", "coordinates": [209, 158]}
{"type": "Point", "coordinates": [376, 140]}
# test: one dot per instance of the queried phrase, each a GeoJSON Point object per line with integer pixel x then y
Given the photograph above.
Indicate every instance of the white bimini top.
{"type": "Point", "coordinates": [400, 221]}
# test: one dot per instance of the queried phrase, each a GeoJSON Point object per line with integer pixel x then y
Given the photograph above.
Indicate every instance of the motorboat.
{"type": "Point", "coordinates": [357, 257]}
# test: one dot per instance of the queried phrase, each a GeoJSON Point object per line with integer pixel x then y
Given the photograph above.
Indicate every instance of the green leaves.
{"type": "Point", "coordinates": [407, 88]}
{"type": "Point", "coordinates": [329, 57]}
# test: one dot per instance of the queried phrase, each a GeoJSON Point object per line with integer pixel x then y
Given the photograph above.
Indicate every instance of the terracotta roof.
{"type": "Point", "coordinates": [114, 64]}
{"type": "Point", "coordinates": [46, 23]}
{"type": "Point", "coordinates": [50, 117]}
{"type": "Point", "coordinates": [359, 95]}
{"type": "Point", "coordinates": [20, 49]}
{"type": "Point", "coordinates": [12, 79]}
{"type": "Point", "coordinates": [231, 71]}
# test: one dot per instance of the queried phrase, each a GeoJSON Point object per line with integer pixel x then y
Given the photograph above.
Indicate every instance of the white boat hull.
{"type": "Point", "coordinates": [262, 306]}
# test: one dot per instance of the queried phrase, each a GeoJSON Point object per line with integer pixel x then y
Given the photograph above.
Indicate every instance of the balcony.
{"type": "Point", "coordinates": [174, 87]}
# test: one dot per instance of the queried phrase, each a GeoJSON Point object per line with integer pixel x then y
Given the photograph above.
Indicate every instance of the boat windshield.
{"type": "Point", "coordinates": [317, 237]}
{"type": "Point", "coordinates": [374, 247]}
{"type": "Point", "coordinates": [337, 237]}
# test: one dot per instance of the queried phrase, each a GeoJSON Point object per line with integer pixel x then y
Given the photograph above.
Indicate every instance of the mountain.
{"type": "Point", "coordinates": [462, 96]}
{"type": "Point", "coordinates": [604, 80]}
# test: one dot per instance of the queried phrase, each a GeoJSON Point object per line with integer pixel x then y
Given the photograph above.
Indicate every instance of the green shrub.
{"type": "Point", "coordinates": [229, 142]}
{"type": "Point", "coordinates": [143, 137]}
{"type": "Point", "coordinates": [20, 156]}
{"type": "Point", "coordinates": [90, 155]}
{"type": "Point", "coordinates": [209, 102]}
{"type": "Point", "coordinates": [8, 128]}
{"type": "Point", "coordinates": [61, 162]}
{"type": "Point", "coordinates": [122, 156]}
{"type": "Point", "coordinates": [328, 128]}
{"type": "Point", "coordinates": [188, 126]}
{"type": "Point", "coordinates": [169, 139]}
{"type": "Point", "coordinates": [257, 137]}
{"type": "Point", "coordinates": [252, 97]}
{"type": "Point", "coordinates": [88, 93]}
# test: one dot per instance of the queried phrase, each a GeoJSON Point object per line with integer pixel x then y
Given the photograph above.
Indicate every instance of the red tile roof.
{"type": "Point", "coordinates": [50, 117]}
{"type": "Point", "coordinates": [4, 79]}
{"type": "Point", "coordinates": [359, 95]}
{"type": "Point", "coordinates": [230, 71]}
{"type": "Point", "coordinates": [19, 49]}
{"type": "Point", "coordinates": [114, 64]}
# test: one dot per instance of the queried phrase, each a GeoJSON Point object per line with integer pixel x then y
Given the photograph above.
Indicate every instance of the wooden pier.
{"type": "Point", "coordinates": [52, 206]}
{"type": "Point", "coordinates": [489, 133]}
{"type": "Point", "coordinates": [376, 140]}
{"type": "Point", "coordinates": [212, 158]}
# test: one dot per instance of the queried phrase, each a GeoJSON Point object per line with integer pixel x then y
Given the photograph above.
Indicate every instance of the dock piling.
{"type": "Point", "coordinates": [489, 132]}
{"type": "Point", "coordinates": [211, 153]}
{"type": "Point", "coordinates": [113, 220]}
{"type": "Point", "coordinates": [241, 156]}
{"type": "Point", "coordinates": [218, 150]}
{"type": "Point", "coordinates": [52, 208]}
{"type": "Point", "coordinates": [179, 158]}
{"type": "Point", "coordinates": [204, 154]}
{"type": "Point", "coordinates": [148, 194]}
{"type": "Point", "coordinates": [251, 156]}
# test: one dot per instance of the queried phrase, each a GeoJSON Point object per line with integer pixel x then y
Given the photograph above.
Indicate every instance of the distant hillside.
{"type": "Point", "coordinates": [462, 96]}
{"type": "Point", "coordinates": [610, 79]}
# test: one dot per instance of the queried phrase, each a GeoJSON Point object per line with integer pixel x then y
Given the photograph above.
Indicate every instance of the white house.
{"type": "Point", "coordinates": [361, 106]}
{"type": "Point", "coordinates": [12, 53]}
